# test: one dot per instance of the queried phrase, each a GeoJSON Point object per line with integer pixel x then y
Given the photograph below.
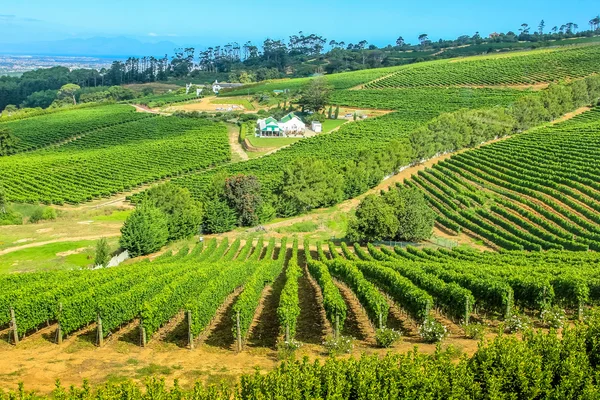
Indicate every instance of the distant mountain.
{"type": "Point", "coordinates": [96, 47]}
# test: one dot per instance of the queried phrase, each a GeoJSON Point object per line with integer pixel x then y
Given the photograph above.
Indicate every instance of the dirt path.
{"type": "Point", "coordinates": [234, 143]}
{"type": "Point", "coordinates": [570, 115]}
{"type": "Point", "coordinates": [141, 108]}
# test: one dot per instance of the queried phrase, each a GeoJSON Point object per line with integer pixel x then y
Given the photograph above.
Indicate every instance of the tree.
{"type": "Point", "coordinates": [330, 112]}
{"type": "Point", "coordinates": [400, 41]}
{"type": "Point", "coordinates": [398, 214]}
{"type": "Point", "coordinates": [7, 141]}
{"type": "Point", "coordinates": [315, 96]}
{"type": "Point", "coordinates": [183, 213]}
{"type": "Point", "coordinates": [69, 90]}
{"type": "Point", "coordinates": [145, 231]}
{"type": "Point", "coordinates": [415, 218]}
{"type": "Point", "coordinates": [218, 217]}
{"type": "Point", "coordinates": [423, 38]}
{"type": "Point", "coordinates": [541, 27]}
{"type": "Point", "coordinates": [374, 220]}
{"type": "Point", "coordinates": [243, 193]}
{"type": "Point", "coordinates": [529, 111]}
{"type": "Point", "coordinates": [102, 253]}
{"type": "Point", "coordinates": [524, 29]}
{"type": "Point", "coordinates": [337, 112]}
{"type": "Point", "coordinates": [308, 183]}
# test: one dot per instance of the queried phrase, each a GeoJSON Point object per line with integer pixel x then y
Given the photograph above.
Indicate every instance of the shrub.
{"type": "Point", "coordinates": [338, 345]}
{"type": "Point", "coordinates": [49, 213]}
{"type": "Point", "coordinates": [37, 215]}
{"type": "Point", "coordinates": [11, 218]}
{"type": "Point", "coordinates": [517, 322]}
{"type": "Point", "coordinates": [474, 331]}
{"type": "Point", "coordinates": [102, 253]}
{"type": "Point", "coordinates": [553, 317]}
{"type": "Point", "coordinates": [387, 337]}
{"type": "Point", "coordinates": [432, 331]}
{"type": "Point", "coordinates": [287, 348]}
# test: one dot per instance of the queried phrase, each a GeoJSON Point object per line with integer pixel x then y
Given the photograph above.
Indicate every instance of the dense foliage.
{"type": "Point", "coordinates": [399, 214]}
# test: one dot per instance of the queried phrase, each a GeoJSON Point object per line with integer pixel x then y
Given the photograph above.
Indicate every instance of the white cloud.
{"type": "Point", "coordinates": [171, 34]}
{"type": "Point", "coordinates": [152, 34]}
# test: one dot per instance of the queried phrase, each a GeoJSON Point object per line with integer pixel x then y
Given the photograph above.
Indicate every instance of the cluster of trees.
{"type": "Point", "coordinates": [235, 201]}
{"type": "Point", "coordinates": [165, 213]}
{"type": "Point", "coordinates": [400, 214]}
{"type": "Point", "coordinates": [56, 87]}
{"type": "Point", "coordinates": [469, 128]}
{"type": "Point", "coordinates": [302, 55]}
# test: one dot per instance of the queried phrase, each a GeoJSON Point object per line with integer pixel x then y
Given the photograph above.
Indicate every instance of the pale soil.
{"type": "Point", "coordinates": [570, 115]}
{"type": "Point", "coordinates": [236, 147]}
{"type": "Point", "coordinates": [38, 363]}
{"type": "Point", "coordinates": [205, 104]}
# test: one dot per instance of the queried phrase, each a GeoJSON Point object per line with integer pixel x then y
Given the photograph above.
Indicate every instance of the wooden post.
{"type": "Point", "coordinates": [467, 312]}
{"type": "Point", "coordinates": [287, 332]}
{"type": "Point", "coordinates": [100, 334]}
{"type": "Point", "coordinates": [380, 321]}
{"type": "Point", "coordinates": [59, 336]}
{"type": "Point", "coordinates": [13, 326]}
{"type": "Point", "coordinates": [337, 326]}
{"type": "Point", "coordinates": [239, 332]}
{"type": "Point", "coordinates": [580, 311]}
{"type": "Point", "coordinates": [190, 334]}
{"type": "Point", "coordinates": [143, 338]}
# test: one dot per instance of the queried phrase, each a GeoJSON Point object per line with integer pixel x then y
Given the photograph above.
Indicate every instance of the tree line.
{"type": "Point", "coordinates": [301, 55]}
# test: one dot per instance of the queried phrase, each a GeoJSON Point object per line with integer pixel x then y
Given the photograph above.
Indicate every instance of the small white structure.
{"type": "Point", "coordinates": [290, 125]}
{"type": "Point", "coordinates": [217, 87]}
{"type": "Point", "coordinates": [316, 126]}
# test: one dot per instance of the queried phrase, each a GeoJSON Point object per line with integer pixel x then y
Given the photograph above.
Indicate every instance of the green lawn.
{"type": "Point", "coordinates": [52, 256]}
{"type": "Point", "coordinates": [271, 142]}
{"type": "Point", "coordinates": [331, 124]}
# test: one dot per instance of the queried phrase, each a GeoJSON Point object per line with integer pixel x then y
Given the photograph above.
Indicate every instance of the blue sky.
{"type": "Point", "coordinates": [203, 23]}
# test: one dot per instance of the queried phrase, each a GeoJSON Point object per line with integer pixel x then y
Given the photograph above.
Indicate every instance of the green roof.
{"type": "Point", "coordinates": [288, 117]}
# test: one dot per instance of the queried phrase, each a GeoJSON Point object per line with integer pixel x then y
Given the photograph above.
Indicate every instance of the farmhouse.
{"type": "Point", "coordinates": [290, 125]}
{"type": "Point", "coordinates": [218, 86]}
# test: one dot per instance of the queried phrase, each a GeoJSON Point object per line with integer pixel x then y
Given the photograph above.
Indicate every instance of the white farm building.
{"type": "Point", "coordinates": [290, 125]}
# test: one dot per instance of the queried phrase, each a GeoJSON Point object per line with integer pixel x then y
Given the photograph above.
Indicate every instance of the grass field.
{"type": "Point", "coordinates": [53, 256]}
{"type": "Point", "coordinates": [271, 142]}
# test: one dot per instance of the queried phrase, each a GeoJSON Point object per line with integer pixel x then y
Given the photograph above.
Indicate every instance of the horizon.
{"type": "Point", "coordinates": [22, 25]}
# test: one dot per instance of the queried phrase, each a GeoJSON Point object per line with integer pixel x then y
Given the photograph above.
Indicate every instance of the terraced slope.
{"type": "Point", "coordinates": [526, 68]}
{"type": "Point", "coordinates": [114, 159]}
{"type": "Point", "coordinates": [41, 131]}
{"type": "Point", "coordinates": [536, 191]}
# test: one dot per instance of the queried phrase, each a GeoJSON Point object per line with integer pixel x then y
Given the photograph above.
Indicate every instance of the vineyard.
{"type": "Point", "coordinates": [451, 286]}
{"type": "Point", "coordinates": [527, 68]}
{"type": "Point", "coordinates": [114, 159]}
{"type": "Point", "coordinates": [346, 145]}
{"type": "Point", "coordinates": [344, 80]}
{"type": "Point", "coordinates": [54, 128]}
{"type": "Point", "coordinates": [535, 191]}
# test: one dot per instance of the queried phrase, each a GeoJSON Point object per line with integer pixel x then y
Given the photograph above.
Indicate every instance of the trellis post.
{"type": "Point", "coordinates": [100, 334]}
{"type": "Point", "coordinates": [59, 336]}
{"type": "Point", "coordinates": [190, 334]}
{"type": "Point", "coordinates": [239, 331]}
{"type": "Point", "coordinates": [13, 326]}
